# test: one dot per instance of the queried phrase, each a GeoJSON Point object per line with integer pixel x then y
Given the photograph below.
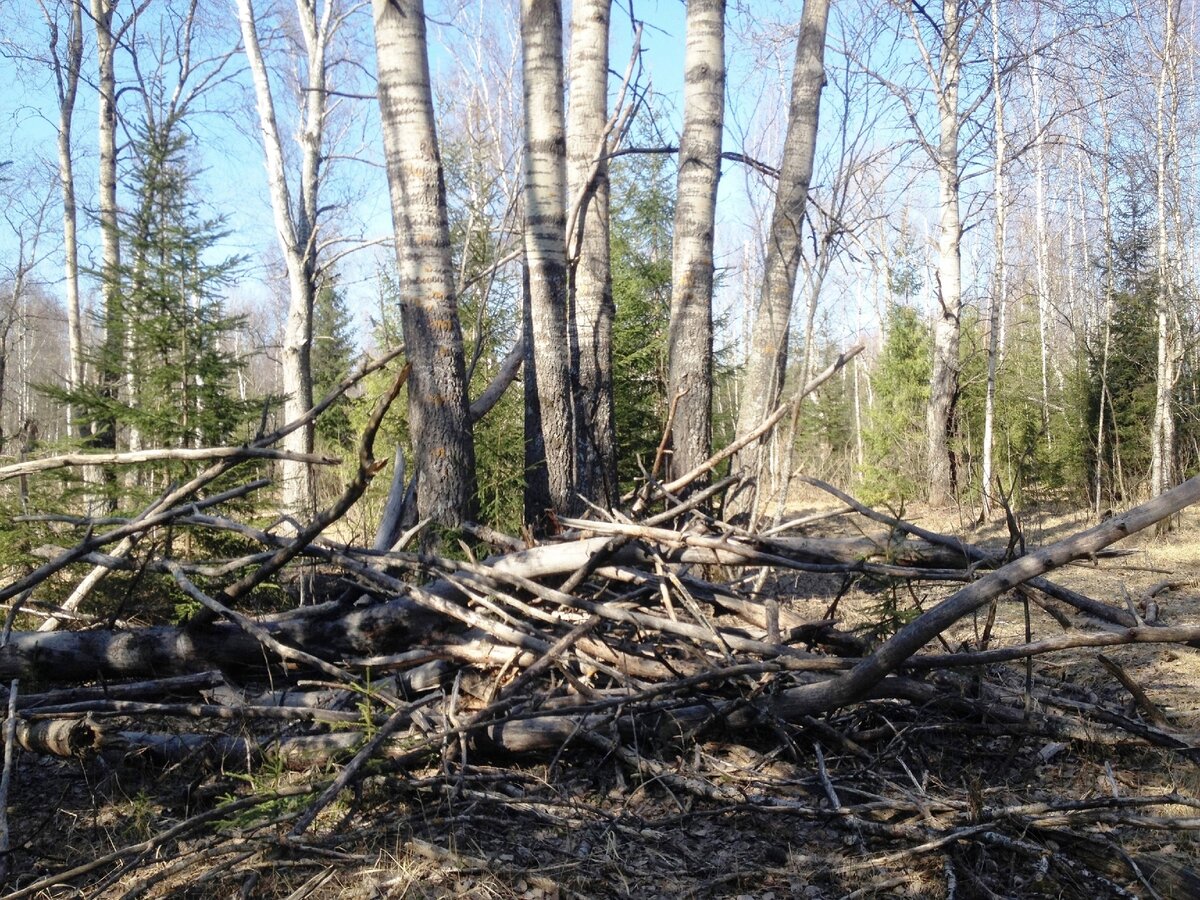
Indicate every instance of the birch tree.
{"type": "Point", "coordinates": [1000, 273]}
{"type": "Point", "coordinates": [766, 362]}
{"type": "Point", "coordinates": [590, 287]}
{"type": "Point", "coordinates": [553, 367]}
{"type": "Point", "coordinates": [107, 42]}
{"type": "Point", "coordinates": [690, 336]}
{"type": "Point", "coordinates": [1162, 436]}
{"type": "Point", "coordinates": [66, 61]}
{"type": "Point", "coordinates": [296, 212]}
{"type": "Point", "coordinates": [437, 392]}
{"type": "Point", "coordinates": [944, 75]}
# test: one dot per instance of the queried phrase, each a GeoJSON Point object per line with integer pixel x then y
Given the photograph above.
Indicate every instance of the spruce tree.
{"type": "Point", "coordinates": [176, 369]}
{"type": "Point", "coordinates": [331, 360]}
{"type": "Point", "coordinates": [891, 469]}
{"type": "Point", "coordinates": [640, 240]}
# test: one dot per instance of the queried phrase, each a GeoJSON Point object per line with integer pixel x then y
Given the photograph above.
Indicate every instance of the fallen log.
{"type": "Point", "coordinates": [855, 684]}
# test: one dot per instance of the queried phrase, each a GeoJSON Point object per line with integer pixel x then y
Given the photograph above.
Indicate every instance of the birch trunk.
{"type": "Point", "coordinates": [1042, 263]}
{"type": "Point", "coordinates": [295, 226]}
{"type": "Point", "coordinates": [943, 385]}
{"type": "Point", "coordinates": [1109, 295]}
{"type": "Point", "coordinates": [1162, 438]}
{"type": "Point", "coordinates": [590, 274]}
{"type": "Point", "coordinates": [1000, 277]}
{"type": "Point", "coordinates": [437, 391]}
{"type": "Point", "coordinates": [762, 381]}
{"type": "Point", "coordinates": [545, 244]}
{"type": "Point", "coordinates": [690, 338]}
{"type": "Point", "coordinates": [66, 74]}
{"type": "Point", "coordinates": [104, 433]}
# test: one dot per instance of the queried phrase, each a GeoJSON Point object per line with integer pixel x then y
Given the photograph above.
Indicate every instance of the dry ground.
{"type": "Point", "coordinates": [581, 824]}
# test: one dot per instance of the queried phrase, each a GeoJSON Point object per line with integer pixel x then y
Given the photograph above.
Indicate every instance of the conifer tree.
{"type": "Point", "coordinates": [177, 366]}
{"type": "Point", "coordinates": [331, 360]}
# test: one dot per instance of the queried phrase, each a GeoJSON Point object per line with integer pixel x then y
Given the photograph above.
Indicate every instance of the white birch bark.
{"type": "Point", "coordinates": [1000, 276]}
{"type": "Point", "coordinates": [554, 370]}
{"type": "Point", "coordinates": [690, 337]}
{"type": "Point", "coordinates": [1109, 289]}
{"type": "Point", "coordinates": [66, 65]}
{"type": "Point", "coordinates": [590, 275]}
{"type": "Point", "coordinates": [1162, 438]}
{"type": "Point", "coordinates": [1040, 239]}
{"type": "Point", "coordinates": [443, 450]}
{"type": "Point", "coordinates": [110, 374]}
{"type": "Point", "coordinates": [943, 391]}
{"type": "Point", "coordinates": [295, 222]}
{"type": "Point", "coordinates": [762, 380]}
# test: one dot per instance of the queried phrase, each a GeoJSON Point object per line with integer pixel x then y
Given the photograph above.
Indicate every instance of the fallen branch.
{"type": "Point", "coordinates": [181, 454]}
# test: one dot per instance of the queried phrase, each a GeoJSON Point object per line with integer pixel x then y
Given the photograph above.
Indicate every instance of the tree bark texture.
{"type": "Point", "coordinates": [66, 73]}
{"type": "Point", "coordinates": [110, 374]}
{"type": "Point", "coordinates": [1162, 435]}
{"type": "Point", "coordinates": [545, 244]}
{"type": "Point", "coordinates": [591, 278]}
{"type": "Point", "coordinates": [437, 392]}
{"type": "Point", "coordinates": [690, 336]}
{"type": "Point", "coordinates": [999, 275]}
{"type": "Point", "coordinates": [762, 381]}
{"type": "Point", "coordinates": [943, 385]}
{"type": "Point", "coordinates": [295, 227]}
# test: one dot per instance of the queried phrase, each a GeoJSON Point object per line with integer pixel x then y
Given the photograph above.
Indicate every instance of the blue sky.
{"type": "Point", "coordinates": [232, 178]}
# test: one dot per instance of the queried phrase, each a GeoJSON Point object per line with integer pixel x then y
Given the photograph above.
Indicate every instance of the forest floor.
{"type": "Point", "coordinates": [579, 824]}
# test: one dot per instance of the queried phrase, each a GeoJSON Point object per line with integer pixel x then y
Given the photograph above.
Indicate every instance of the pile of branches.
{"type": "Point", "coordinates": [631, 635]}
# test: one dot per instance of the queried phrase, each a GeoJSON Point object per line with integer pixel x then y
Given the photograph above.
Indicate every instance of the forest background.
{"type": "Point", "coordinates": [1062, 366]}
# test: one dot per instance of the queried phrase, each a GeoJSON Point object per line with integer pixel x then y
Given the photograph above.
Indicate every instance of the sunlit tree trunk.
{"type": "Point", "coordinates": [114, 335]}
{"type": "Point", "coordinates": [437, 390]}
{"type": "Point", "coordinates": [66, 66]}
{"type": "Point", "coordinates": [762, 381]}
{"type": "Point", "coordinates": [1162, 438]}
{"type": "Point", "coordinates": [1109, 288]}
{"type": "Point", "coordinates": [295, 221]}
{"type": "Point", "coordinates": [943, 384]}
{"type": "Point", "coordinates": [545, 243]}
{"type": "Point", "coordinates": [690, 338]}
{"type": "Point", "coordinates": [590, 274]}
{"type": "Point", "coordinates": [1040, 238]}
{"type": "Point", "coordinates": [1000, 275]}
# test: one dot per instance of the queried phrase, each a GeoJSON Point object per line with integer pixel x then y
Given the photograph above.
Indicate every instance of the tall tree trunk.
{"type": "Point", "coordinates": [943, 385]}
{"type": "Point", "coordinates": [1041, 253]}
{"type": "Point", "coordinates": [590, 272]}
{"type": "Point", "coordinates": [545, 244]}
{"type": "Point", "coordinates": [1000, 276]}
{"type": "Point", "coordinates": [66, 75]}
{"type": "Point", "coordinates": [295, 226]}
{"type": "Point", "coordinates": [437, 390]}
{"type": "Point", "coordinates": [111, 367]}
{"type": "Point", "coordinates": [537, 485]}
{"type": "Point", "coordinates": [762, 381]}
{"type": "Point", "coordinates": [1109, 289]}
{"type": "Point", "coordinates": [1162, 438]}
{"type": "Point", "coordinates": [690, 337]}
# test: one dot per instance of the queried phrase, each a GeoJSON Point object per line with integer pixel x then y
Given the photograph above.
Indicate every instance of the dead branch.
{"type": "Point", "coordinates": [852, 686]}
{"type": "Point", "coordinates": [179, 454]}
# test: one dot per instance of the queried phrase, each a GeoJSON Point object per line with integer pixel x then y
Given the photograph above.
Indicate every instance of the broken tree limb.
{"type": "Point", "coordinates": [848, 688]}
{"type": "Point", "coordinates": [368, 467]}
{"type": "Point", "coordinates": [674, 487]}
{"type": "Point", "coordinates": [185, 454]}
{"type": "Point", "coordinates": [495, 388]}
{"type": "Point", "coordinates": [979, 556]}
{"type": "Point", "coordinates": [127, 542]}
{"type": "Point", "coordinates": [1170, 634]}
